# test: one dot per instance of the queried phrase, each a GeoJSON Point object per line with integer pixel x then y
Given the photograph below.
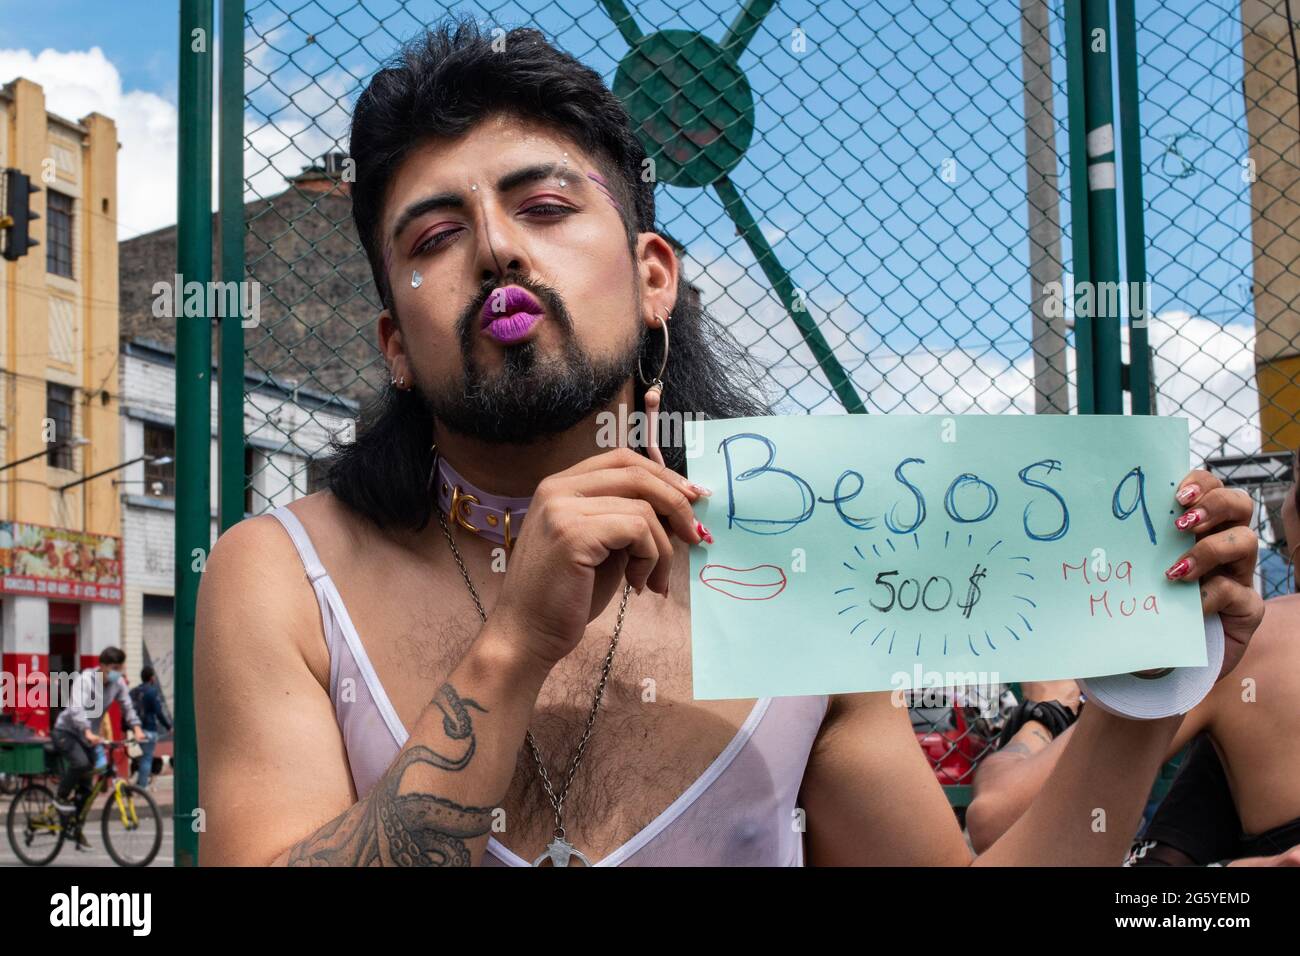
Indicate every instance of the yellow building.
{"type": "Point", "coordinates": [1271, 98]}
{"type": "Point", "coordinates": [60, 536]}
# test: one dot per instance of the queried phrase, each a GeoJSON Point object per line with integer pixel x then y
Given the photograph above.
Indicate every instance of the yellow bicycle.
{"type": "Point", "coordinates": [132, 826]}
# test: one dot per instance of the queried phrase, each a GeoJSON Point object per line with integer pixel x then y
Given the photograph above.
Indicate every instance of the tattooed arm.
{"type": "Point", "coordinates": [434, 805]}
{"type": "Point", "coordinates": [1008, 780]}
{"type": "Point", "coordinates": [274, 781]}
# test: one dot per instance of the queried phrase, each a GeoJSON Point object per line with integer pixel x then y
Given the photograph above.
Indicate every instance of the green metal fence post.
{"type": "Point", "coordinates": [838, 378]}
{"type": "Point", "coordinates": [230, 369]}
{"type": "Point", "coordinates": [1141, 393]}
{"type": "Point", "coordinates": [193, 395]}
{"type": "Point", "coordinates": [1103, 214]}
{"type": "Point", "coordinates": [1079, 219]}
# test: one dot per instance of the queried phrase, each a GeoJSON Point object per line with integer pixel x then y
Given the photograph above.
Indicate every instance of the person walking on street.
{"type": "Point", "coordinates": [147, 697]}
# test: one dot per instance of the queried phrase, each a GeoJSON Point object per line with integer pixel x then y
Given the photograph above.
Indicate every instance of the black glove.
{"type": "Point", "coordinates": [1052, 714]}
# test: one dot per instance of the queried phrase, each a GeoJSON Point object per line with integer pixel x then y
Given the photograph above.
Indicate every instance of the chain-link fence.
{"type": "Point", "coordinates": [896, 199]}
{"type": "Point", "coordinates": [1221, 156]}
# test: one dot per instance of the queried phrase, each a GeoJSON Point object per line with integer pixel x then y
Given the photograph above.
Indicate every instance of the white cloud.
{"type": "Point", "coordinates": [298, 133]}
{"type": "Point", "coordinates": [1204, 371]}
{"type": "Point", "coordinates": [81, 82]}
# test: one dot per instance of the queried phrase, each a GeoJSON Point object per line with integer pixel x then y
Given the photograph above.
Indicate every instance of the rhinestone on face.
{"type": "Point", "coordinates": [416, 278]}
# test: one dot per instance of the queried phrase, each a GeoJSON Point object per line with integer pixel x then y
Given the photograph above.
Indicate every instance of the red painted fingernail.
{"type": "Point", "coordinates": [1179, 569]}
{"type": "Point", "coordinates": [703, 532]}
{"type": "Point", "coordinates": [1189, 519]}
{"type": "Point", "coordinates": [1188, 494]}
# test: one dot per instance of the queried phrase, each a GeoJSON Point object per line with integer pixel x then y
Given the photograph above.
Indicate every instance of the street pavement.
{"type": "Point", "coordinates": [160, 790]}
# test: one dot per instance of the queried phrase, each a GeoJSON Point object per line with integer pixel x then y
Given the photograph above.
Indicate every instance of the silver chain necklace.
{"type": "Point", "coordinates": [559, 851]}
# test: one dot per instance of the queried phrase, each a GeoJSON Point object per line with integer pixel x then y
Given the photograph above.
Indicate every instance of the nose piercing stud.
{"type": "Point", "coordinates": [473, 186]}
{"type": "Point", "coordinates": [416, 279]}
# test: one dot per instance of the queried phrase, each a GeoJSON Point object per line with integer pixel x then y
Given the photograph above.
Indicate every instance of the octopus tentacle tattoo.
{"type": "Point", "coordinates": [396, 828]}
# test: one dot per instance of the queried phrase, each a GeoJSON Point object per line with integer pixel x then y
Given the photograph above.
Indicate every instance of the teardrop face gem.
{"type": "Point", "coordinates": [416, 278]}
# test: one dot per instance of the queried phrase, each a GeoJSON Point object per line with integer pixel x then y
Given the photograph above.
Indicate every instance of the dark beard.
{"type": "Point", "coordinates": [529, 398]}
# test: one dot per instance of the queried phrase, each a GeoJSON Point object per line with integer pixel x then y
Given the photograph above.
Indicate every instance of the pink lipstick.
{"type": "Point", "coordinates": [510, 313]}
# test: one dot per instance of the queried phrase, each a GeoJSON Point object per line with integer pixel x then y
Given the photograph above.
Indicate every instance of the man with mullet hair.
{"type": "Point", "coordinates": [374, 686]}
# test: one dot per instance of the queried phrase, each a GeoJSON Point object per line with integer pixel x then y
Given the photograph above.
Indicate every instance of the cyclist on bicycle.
{"type": "Point", "coordinates": [72, 733]}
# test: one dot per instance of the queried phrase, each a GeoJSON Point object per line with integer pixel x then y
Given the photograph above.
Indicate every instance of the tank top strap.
{"type": "Point", "coordinates": [301, 541]}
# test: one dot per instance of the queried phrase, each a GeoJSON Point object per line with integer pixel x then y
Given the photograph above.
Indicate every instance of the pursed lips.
{"type": "Point", "coordinates": [510, 313]}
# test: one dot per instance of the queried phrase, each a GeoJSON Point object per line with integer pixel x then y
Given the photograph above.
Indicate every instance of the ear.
{"type": "Point", "coordinates": [657, 275]}
{"type": "Point", "coordinates": [390, 343]}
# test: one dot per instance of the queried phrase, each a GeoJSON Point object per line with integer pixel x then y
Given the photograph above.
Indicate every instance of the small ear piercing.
{"type": "Point", "coordinates": [398, 380]}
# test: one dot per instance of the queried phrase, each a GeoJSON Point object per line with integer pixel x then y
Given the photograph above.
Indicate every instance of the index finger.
{"type": "Point", "coordinates": [627, 457]}
{"type": "Point", "coordinates": [630, 482]}
{"type": "Point", "coordinates": [1195, 486]}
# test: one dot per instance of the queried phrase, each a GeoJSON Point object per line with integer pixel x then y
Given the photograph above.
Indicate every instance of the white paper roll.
{"type": "Point", "coordinates": [1152, 698]}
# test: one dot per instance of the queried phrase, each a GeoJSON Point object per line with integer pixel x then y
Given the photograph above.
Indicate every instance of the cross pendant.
{"type": "Point", "coordinates": [559, 852]}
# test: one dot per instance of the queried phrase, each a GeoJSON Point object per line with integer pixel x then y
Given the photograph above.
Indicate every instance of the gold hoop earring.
{"type": "Point", "coordinates": [653, 399]}
{"type": "Point", "coordinates": [659, 378]}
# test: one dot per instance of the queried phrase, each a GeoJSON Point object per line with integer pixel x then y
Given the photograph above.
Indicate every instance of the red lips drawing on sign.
{"type": "Point", "coordinates": [762, 582]}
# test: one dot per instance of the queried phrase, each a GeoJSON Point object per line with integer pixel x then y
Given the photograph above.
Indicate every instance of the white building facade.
{"type": "Point", "coordinates": [287, 435]}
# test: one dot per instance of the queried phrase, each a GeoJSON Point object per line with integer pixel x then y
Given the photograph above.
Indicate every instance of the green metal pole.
{"type": "Point", "coordinates": [781, 282]}
{"type": "Point", "coordinates": [745, 25]}
{"type": "Point", "coordinates": [193, 398]}
{"type": "Point", "coordinates": [1103, 213]}
{"type": "Point", "coordinates": [1141, 395]}
{"type": "Point", "coordinates": [230, 370]}
{"type": "Point", "coordinates": [622, 18]}
{"type": "Point", "coordinates": [1079, 218]}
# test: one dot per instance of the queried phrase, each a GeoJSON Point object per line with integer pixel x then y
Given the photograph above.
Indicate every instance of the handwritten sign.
{"type": "Point", "coordinates": [872, 552]}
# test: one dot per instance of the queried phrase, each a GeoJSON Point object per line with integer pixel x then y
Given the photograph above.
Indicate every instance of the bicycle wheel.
{"type": "Point", "coordinates": [35, 831]}
{"type": "Point", "coordinates": [133, 826]}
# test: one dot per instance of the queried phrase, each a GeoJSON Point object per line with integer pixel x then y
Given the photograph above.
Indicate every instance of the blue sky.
{"type": "Point", "coordinates": [138, 36]}
{"type": "Point", "coordinates": [843, 174]}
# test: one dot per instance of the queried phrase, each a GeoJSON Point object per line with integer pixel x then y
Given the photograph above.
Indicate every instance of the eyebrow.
{"type": "Point", "coordinates": [456, 200]}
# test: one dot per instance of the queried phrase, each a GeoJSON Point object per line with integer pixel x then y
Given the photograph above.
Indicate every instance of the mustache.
{"type": "Point", "coordinates": [471, 316]}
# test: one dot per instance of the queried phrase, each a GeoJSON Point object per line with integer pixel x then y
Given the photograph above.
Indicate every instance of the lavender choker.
{"type": "Point", "coordinates": [490, 516]}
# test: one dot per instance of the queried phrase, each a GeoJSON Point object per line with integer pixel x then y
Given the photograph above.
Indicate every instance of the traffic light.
{"type": "Point", "coordinates": [18, 214]}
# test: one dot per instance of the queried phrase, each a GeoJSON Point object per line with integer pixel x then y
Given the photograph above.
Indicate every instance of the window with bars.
{"type": "Point", "coordinates": [58, 235]}
{"type": "Point", "coordinates": [160, 442]}
{"type": "Point", "coordinates": [58, 409]}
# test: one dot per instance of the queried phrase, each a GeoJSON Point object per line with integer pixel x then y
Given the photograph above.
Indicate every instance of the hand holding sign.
{"type": "Point", "coordinates": [861, 553]}
{"type": "Point", "coordinates": [1223, 558]}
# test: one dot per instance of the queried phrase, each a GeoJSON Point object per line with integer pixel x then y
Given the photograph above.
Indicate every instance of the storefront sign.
{"type": "Point", "coordinates": [60, 564]}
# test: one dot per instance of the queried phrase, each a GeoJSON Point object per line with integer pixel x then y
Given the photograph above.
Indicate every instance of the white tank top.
{"type": "Point", "coordinates": [742, 811]}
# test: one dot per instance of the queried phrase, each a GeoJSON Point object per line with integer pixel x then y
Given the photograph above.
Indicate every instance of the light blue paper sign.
{"type": "Point", "coordinates": [881, 552]}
